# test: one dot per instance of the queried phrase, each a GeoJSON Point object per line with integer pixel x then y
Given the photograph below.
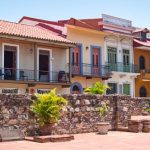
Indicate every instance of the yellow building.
{"type": "Point", "coordinates": [30, 59]}
{"type": "Point", "coordinates": [142, 59]}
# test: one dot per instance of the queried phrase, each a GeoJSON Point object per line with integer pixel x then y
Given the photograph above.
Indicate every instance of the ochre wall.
{"type": "Point", "coordinates": [87, 38]}
{"type": "Point", "coordinates": [138, 81]}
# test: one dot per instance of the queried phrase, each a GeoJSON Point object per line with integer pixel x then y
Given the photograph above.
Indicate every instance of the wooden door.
{"type": "Point", "coordinates": [126, 61]}
{"type": "Point", "coordinates": [126, 89]}
{"type": "Point", "coordinates": [96, 62]}
{"type": "Point", "coordinates": [76, 60]}
{"type": "Point", "coordinates": [112, 58]}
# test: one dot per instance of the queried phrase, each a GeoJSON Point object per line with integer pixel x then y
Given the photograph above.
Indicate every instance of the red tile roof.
{"type": "Point", "coordinates": [138, 43]}
{"type": "Point", "coordinates": [26, 31]}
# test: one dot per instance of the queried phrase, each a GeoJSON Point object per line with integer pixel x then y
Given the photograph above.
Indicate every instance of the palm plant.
{"type": "Point", "coordinates": [97, 88]}
{"type": "Point", "coordinates": [48, 107]}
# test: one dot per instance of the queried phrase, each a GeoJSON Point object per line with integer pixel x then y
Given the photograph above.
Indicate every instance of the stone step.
{"type": "Point", "coordinates": [53, 138]}
{"type": "Point", "coordinates": [11, 135]}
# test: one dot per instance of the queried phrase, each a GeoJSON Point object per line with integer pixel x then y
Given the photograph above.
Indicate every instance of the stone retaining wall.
{"type": "Point", "coordinates": [82, 115]}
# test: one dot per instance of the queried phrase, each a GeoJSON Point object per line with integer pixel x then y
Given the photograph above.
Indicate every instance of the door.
{"type": "Point", "coordinates": [44, 66]}
{"type": "Point", "coordinates": [126, 61]}
{"type": "Point", "coordinates": [126, 89]}
{"type": "Point", "coordinates": [76, 60]}
{"type": "Point", "coordinates": [113, 88]}
{"type": "Point", "coordinates": [96, 62]}
{"type": "Point", "coordinates": [112, 58]}
{"type": "Point", "coordinates": [10, 62]}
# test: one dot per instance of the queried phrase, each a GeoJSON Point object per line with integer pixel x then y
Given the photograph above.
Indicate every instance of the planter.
{"type": "Point", "coordinates": [103, 127]}
{"type": "Point", "coordinates": [46, 129]}
{"type": "Point", "coordinates": [146, 126]}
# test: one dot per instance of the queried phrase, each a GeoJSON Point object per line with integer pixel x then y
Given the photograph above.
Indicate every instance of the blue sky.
{"type": "Point", "coordinates": [136, 10]}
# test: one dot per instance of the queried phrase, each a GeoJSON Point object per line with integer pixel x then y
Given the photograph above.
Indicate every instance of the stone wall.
{"type": "Point", "coordinates": [82, 115]}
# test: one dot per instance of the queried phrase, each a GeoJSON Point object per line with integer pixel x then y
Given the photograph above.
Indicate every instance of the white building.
{"type": "Point", "coordinates": [118, 50]}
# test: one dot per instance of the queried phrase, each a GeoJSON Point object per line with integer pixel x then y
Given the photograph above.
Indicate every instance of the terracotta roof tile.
{"type": "Point", "coordinates": [26, 31]}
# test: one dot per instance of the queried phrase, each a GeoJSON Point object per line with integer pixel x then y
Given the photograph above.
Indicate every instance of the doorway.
{"type": "Point", "coordinates": [10, 65]}
{"type": "Point", "coordinates": [44, 65]}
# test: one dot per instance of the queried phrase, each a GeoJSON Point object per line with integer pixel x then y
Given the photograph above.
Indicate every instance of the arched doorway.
{"type": "Point", "coordinates": [143, 92]}
{"type": "Point", "coordinates": [142, 62]}
{"type": "Point", "coordinates": [76, 88]}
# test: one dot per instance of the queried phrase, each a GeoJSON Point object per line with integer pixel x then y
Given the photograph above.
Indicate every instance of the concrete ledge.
{"type": "Point", "coordinates": [50, 138]}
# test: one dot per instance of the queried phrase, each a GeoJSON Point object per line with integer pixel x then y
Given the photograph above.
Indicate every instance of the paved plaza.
{"type": "Point", "coordinates": [91, 141]}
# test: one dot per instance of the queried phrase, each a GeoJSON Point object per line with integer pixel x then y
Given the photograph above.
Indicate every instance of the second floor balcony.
{"type": "Point", "coordinates": [121, 67]}
{"type": "Point", "coordinates": [89, 70]}
{"type": "Point", "coordinates": [25, 75]}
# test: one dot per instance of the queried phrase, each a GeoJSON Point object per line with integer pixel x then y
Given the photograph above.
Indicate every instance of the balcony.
{"type": "Point", "coordinates": [121, 67]}
{"type": "Point", "coordinates": [89, 71]}
{"type": "Point", "coordinates": [25, 75]}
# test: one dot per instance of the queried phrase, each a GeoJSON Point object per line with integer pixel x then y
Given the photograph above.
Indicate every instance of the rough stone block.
{"type": "Point", "coordinates": [135, 126]}
{"type": "Point", "coordinates": [146, 126]}
{"type": "Point", "coordinates": [11, 135]}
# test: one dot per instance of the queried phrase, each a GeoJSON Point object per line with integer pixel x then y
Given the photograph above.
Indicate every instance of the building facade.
{"type": "Point", "coordinates": [118, 54]}
{"type": "Point", "coordinates": [142, 58]}
{"type": "Point", "coordinates": [87, 58]}
{"type": "Point", "coordinates": [30, 59]}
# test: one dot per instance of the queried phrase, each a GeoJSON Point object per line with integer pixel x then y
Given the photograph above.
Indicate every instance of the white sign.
{"type": "Point", "coordinates": [9, 91]}
{"type": "Point", "coordinates": [116, 21]}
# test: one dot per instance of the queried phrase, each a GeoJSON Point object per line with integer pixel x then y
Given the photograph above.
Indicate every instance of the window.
{"type": "Point", "coordinates": [113, 88]}
{"type": "Point", "coordinates": [143, 92]}
{"type": "Point", "coordinates": [142, 62]}
{"type": "Point", "coordinates": [112, 58]}
{"type": "Point", "coordinates": [76, 56]}
{"type": "Point", "coordinates": [126, 89]}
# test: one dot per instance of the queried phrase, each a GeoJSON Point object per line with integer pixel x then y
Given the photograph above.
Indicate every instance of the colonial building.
{"type": "Point", "coordinates": [87, 59]}
{"type": "Point", "coordinates": [142, 58]}
{"type": "Point", "coordinates": [32, 59]}
{"type": "Point", "coordinates": [118, 50]}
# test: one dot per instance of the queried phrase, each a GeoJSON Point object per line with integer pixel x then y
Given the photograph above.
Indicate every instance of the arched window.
{"type": "Point", "coordinates": [76, 88]}
{"type": "Point", "coordinates": [142, 62]}
{"type": "Point", "coordinates": [143, 92]}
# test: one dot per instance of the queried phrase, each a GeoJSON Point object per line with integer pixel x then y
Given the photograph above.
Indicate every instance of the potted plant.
{"type": "Point", "coordinates": [103, 126]}
{"type": "Point", "coordinates": [100, 88]}
{"type": "Point", "coordinates": [47, 109]}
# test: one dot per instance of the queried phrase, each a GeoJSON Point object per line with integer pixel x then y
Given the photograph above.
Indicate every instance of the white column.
{"type": "Point", "coordinates": [120, 55]}
{"type": "Point", "coordinates": [17, 65]}
{"type": "Point", "coordinates": [50, 67]}
{"type": "Point", "coordinates": [3, 60]}
{"type": "Point", "coordinates": [37, 65]}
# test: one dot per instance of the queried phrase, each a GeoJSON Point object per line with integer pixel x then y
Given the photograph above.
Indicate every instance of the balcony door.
{"type": "Point", "coordinates": [96, 61]}
{"type": "Point", "coordinates": [126, 60]}
{"type": "Point", "coordinates": [10, 62]}
{"type": "Point", "coordinates": [44, 65]}
{"type": "Point", "coordinates": [76, 60]}
{"type": "Point", "coordinates": [112, 58]}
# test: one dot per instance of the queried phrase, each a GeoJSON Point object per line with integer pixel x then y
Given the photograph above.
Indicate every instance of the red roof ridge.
{"type": "Point", "coordinates": [41, 20]}
{"type": "Point", "coordinates": [28, 31]}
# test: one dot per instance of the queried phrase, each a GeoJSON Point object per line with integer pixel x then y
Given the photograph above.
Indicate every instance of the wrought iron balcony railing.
{"type": "Point", "coordinates": [121, 67]}
{"type": "Point", "coordinates": [90, 70]}
{"type": "Point", "coordinates": [33, 75]}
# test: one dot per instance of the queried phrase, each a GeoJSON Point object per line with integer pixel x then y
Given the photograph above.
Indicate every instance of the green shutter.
{"type": "Point", "coordinates": [112, 58]}
{"type": "Point", "coordinates": [126, 89]}
{"type": "Point", "coordinates": [126, 60]}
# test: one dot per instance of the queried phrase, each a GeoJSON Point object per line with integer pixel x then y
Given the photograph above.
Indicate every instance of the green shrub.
{"type": "Point", "coordinates": [148, 110]}
{"type": "Point", "coordinates": [103, 110]}
{"type": "Point", "coordinates": [48, 107]}
{"type": "Point", "coordinates": [97, 88]}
